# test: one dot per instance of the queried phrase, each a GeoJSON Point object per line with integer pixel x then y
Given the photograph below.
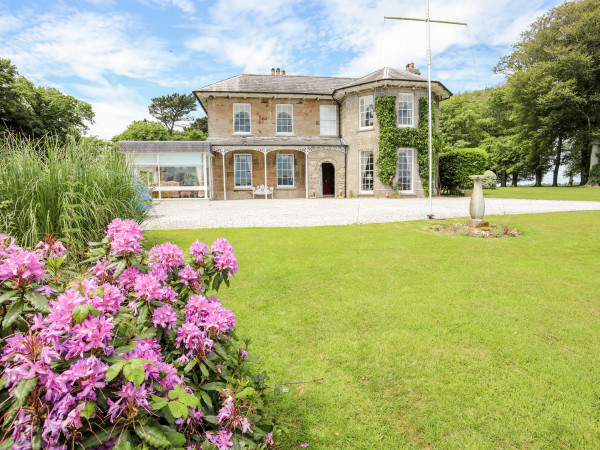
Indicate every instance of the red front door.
{"type": "Point", "coordinates": [328, 174]}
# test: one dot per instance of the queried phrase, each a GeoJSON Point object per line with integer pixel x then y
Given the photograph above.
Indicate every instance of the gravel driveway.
{"type": "Point", "coordinates": [170, 215]}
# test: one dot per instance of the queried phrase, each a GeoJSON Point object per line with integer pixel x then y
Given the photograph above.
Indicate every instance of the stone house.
{"type": "Point", "coordinates": [304, 136]}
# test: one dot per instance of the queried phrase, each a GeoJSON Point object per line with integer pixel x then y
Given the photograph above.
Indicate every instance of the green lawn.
{"type": "Point", "coordinates": [421, 344]}
{"type": "Point", "coordinates": [546, 193]}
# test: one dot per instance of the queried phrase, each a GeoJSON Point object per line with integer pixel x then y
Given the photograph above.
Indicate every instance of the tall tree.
{"type": "Point", "coordinates": [142, 130]}
{"type": "Point", "coordinates": [173, 108]}
{"type": "Point", "coordinates": [553, 75]}
{"type": "Point", "coordinates": [37, 111]}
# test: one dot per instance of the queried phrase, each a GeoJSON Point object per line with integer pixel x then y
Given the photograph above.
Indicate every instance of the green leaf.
{"type": "Point", "coordinates": [126, 348]}
{"type": "Point", "coordinates": [158, 403]}
{"type": "Point", "coordinates": [134, 372]}
{"type": "Point", "coordinates": [206, 399]}
{"type": "Point", "coordinates": [142, 315]}
{"type": "Point", "coordinates": [38, 301]}
{"type": "Point", "coordinates": [80, 312]}
{"type": "Point", "coordinates": [36, 441]}
{"type": "Point", "coordinates": [246, 392]}
{"type": "Point", "coordinates": [3, 381]}
{"type": "Point", "coordinates": [14, 311]}
{"type": "Point", "coordinates": [7, 444]}
{"type": "Point", "coordinates": [124, 441]}
{"type": "Point", "coordinates": [24, 387]}
{"type": "Point", "coordinates": [120, 268]}
{"type": "Point", "coordinates": [96, 440]}
{"type": "Point", "coordinates": [252, 358]}
{"type": "Point", "coordinates": [89, 410]}
{"type": "Point", "coordinates": [211, 419]}
{"type": "Point", "coordinates": [204, 370]}
{"type": "Point", "coordinates": [213, 386]}
{"type": "Point", "coordinates": [178, 409]}
{"type": "Point", "coordinates": [149, 333]}
{"type": "Point", "coordinates": [93, 311]}
{"type": "Point", "coordinates": [152, 434]}
{"type": "Point", "coordinates": [189, 366]}
{"type": "Point", "coordinates": [7, 296]}
{"type": "Point", "coordinates": [177, 439]}
{"type": "Point", "coordinates": [114, 370]}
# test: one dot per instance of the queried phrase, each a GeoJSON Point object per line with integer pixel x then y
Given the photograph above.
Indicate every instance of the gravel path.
{"type": "Point", "coordinates": [186, 214]}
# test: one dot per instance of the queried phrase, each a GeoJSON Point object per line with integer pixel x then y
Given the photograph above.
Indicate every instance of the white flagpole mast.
{"type": "Point", "coordinates": [430, 131]}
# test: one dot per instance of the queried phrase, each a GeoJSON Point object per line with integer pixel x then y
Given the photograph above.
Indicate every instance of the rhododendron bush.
{"type": "Point", "coordinates": [130, 352]}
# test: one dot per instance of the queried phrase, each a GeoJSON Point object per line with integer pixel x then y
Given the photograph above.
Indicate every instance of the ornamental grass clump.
{"type": "Point", "coordinates": [71, 190]}
{"type": "Point", "coordinates": [131, 353]}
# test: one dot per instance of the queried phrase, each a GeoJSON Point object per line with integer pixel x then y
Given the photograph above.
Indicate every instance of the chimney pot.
{"type": "Point", "coordinates": [272, 71]}
{"type": "Point", "coordinates": [282, 72]}
{"type": "Point", "coordinates": [278, 71]}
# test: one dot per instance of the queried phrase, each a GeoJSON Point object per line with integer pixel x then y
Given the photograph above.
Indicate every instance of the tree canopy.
{"type": "Point", "coordinates": [173, 108]}
{"type": "Point", "coordinates": [37, 111]}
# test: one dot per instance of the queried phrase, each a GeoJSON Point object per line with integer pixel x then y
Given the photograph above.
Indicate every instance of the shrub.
{"type": "Point", "coordinates": [131, 354]}
{"type": "Point", "coordinates": [71, 190]}
{"type": "Point", "coordinates": [491, 181]}
{"type": "Point", "coordinates": [457, 165]}
{"type": "Point", "coordinates": [594, 177]}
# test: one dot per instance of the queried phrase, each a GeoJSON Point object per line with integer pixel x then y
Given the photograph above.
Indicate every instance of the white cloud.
{"type": "Point", "coordinates": [185, 5]}
{"type": "Point", "coordinates": [113, 117]}
{"type": "Point", "coordinates": [88, 46]}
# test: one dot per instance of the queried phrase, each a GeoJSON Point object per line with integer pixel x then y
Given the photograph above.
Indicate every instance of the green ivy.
{"type": "Point", "coordinates": [391, 138]}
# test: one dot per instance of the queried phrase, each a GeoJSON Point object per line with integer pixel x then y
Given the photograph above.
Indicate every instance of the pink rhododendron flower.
{"type": "Point", "coordinates": [50, 248]}
{"type": "Point", "coordinates": [190, 277]}
{"type": "Point", "coordinates": [22, 267]}
{"type": "Point", "coordinates": [166, 255]}
{"type": "Point", "coordinates": [222, 439]}
{"type": "Point", "coordinates": [164, 316]}
{"type": "Point", "coordinates": [198, 250]}
{"type": "Point", "coordinates": [124, 236]}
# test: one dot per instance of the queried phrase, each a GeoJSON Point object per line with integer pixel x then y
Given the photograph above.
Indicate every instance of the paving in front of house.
{"type": "Point", "coordinates": [189, 214]}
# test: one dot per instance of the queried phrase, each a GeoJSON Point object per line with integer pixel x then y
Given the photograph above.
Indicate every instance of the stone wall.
{"type": "Point", "coordinates": [315, 161]}
{"type": "Point", "coordinates": [263, 116]}
{"type": "Point", "coordinates": [258, 175]}
{"type": "Point", "coordinates": [368, 139]}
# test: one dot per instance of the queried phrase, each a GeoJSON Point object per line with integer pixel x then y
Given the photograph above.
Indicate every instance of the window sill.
{"type": "Point", "coordinates": [366, 129]}
{"type": "Point", "coordinates": [328, 135]}
{"type": "Point", "coordinates": [241, 134]}
{"type": "Point", "coordinates": [405, 126]}
{"type": "Point", "coordinates": [286, 187]}
{"type": "Point", "coordinates": [285, 134]}
{"type": "Point", "coordinates": [249, 188]}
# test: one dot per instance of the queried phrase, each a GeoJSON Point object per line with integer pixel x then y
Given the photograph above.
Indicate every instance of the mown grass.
{"type": "Point", "coordinates": [590, 193]}
{"type": "Point", "coordinates": [425, 340]}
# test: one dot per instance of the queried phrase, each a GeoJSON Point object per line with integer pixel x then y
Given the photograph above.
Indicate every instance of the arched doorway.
{"type": "Point", "coordinates": [328, 179]}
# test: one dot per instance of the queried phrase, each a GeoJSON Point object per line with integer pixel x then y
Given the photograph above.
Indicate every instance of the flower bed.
{"type": "Point", "coordinates": [131, 353]}
{"type": "Point", "coordinates": [486, 231]}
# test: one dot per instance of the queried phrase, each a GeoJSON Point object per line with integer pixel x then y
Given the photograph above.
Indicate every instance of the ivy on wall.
{"type": "Point", "coordinates": [391, 138]}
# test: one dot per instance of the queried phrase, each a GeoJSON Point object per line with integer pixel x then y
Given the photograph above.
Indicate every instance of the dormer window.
{"type": "Point", "coordinates": [241, 118]}
{"type": "Point", "coordinates": [285, 119]}
{"type": "Point", "coordinates": [406, 110]}
{"type": "Point", "coordinates": [365, 112]}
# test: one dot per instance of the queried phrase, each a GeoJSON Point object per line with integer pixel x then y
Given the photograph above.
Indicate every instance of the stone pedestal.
{"type": "Point", "coordinates": [477, 205]}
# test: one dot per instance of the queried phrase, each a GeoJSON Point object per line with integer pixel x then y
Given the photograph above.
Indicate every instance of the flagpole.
{"type": "Point", "coordinates": [428, 21]}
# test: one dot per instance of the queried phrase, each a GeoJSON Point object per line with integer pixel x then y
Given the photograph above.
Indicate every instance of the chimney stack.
{"type": "Point", "coordinates": [282, 72]}
{"type": "Point", "coordinates": [272, 71]}
{"type": "Point", "coordinates": [278, 72]}
{"type": "Point", "coordinates": [410, 67]}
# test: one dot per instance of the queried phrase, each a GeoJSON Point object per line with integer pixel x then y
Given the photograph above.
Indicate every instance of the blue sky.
{"type": "Point", "coordinates": [118, 55]}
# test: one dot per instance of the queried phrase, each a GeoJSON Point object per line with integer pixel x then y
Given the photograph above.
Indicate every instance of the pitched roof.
{"type": "Point", "coordinates": [277, 84]}
{"type": "Point", "coordinates": [386, 73]}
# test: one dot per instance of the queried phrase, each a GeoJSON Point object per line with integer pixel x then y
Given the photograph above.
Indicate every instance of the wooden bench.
{"type": "Point", "coordinates": [262, 190]}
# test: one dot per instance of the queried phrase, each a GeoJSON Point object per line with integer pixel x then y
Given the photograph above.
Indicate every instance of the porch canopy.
{"type": "Point", "coordinates": [265, 145]}
{"type": "Point", "coordinates": [172, 169]}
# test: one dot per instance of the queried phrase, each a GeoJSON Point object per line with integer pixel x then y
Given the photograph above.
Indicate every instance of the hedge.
{"type": "Point", "coordinates": [457, 165]}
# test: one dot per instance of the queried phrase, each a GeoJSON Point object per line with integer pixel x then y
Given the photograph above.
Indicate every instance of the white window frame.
{"type": "Point", "coordinates": [361, 165]}
{"type": "Point", "coordinates": [242, 107]}
{"type": "Point", "coordinates": [411, 159]}
{"type": "Point", "coordinates": [323, 121]}
{"type": "Point", "coordinates": [235, 164]}
{"type": "Point", "coordinates": [403, 97]}
{"type": "Point", "coordinates": [287, 108]}
{"type": "Point", "coordinates": [363, 103]}
{"type": "Point", "coordinates": [288, 186]}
